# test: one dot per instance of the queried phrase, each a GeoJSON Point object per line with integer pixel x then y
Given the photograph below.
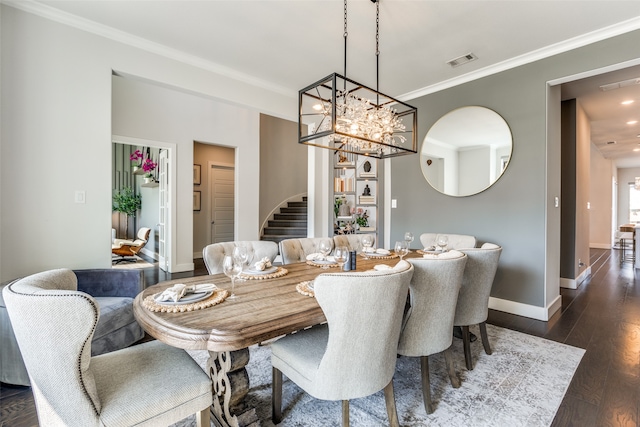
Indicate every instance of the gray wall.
{"type": "Point", "coordinates": [516, 211]}
{"type": "Point", "coordinates": [283, 163]}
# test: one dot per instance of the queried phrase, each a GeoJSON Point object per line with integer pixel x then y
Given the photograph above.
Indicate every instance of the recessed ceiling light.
{"type": "Point", "coordinates": [636, 149]}
{"type": "Point", "coordinates": [627, 102]}
{"type": "Point", "coordinates": [632, 122]}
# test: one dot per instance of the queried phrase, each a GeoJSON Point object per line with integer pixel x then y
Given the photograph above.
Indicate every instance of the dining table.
{"type": "Point", "coordinates": [265, 308]}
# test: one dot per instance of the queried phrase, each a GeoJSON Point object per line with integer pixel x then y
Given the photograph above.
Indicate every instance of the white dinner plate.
{"type": "Point", "coordinates": [187, 299]}
{"type": "Point", "coordinates": [255, 272]}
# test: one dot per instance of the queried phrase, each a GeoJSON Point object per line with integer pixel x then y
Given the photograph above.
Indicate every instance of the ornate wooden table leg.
{"type": "Point", "coordinates": [230, 386]}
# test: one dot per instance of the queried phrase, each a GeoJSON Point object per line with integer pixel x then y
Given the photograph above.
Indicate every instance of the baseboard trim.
{"type": "Point", "coordinates": [574, 283]}
{"type": "Point", "coordinates": [600, 245]}
{"type": "Point", "coordinates": [181, 268]}
{"type": "Point", "coordinates": [150, 254]}
{"type": "Point", "coordinates": [526, 310]}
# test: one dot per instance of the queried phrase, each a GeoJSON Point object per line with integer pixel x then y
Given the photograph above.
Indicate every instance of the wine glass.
{"type": "Point", "coordinates": [367, 243]}
{"type": "Point", "coordinates": [241, 254]}
{"type": "Point", "coordinates": [231, 268]}
{"type": "Point", "coordinates": [401, 248]}
{"type": "Point", "coordinates": [341, 254]}
{"type": "Point", "coordinates": [325, 250]}
{"type": "Point", "coordinates": [443, 241]}
{"type": "Point", "coordinates": [408, 237]}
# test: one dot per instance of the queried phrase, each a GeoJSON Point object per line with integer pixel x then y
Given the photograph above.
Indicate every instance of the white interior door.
{"type": "Point", "coordinates": [163, 202]}
{"type": "Point", "coordinates": [222, 185]}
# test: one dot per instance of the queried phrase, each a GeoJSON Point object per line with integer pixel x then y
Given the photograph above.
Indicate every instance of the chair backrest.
{"type": "Point", "coordinates": [473, 300]}
{"type": "Point", "coordinates": [364, 314]}
{"type": "Point", "coordinates": [351, 241]}
{"type": "Point", "coordinates": [433, 293]}
{"type": "Point", "coordinates": [141, 240]}
{"type": "Point", "coordinates": [54, 325]}
{"type": "Point", "coordinates": [296, 250]}
{"type": "Point", "coordinates": [214, 254]}
{"type": "Point", "coordinates": [456, 241]}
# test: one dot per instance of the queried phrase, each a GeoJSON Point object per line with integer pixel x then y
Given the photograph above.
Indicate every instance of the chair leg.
{"type": "Point", "coordinates": [426, 384]}
{"type": "Point", "coordinates": [485, 338]}
{"type": "Point", "coordinates": [345, 413]}
{"type": "Point", "coordinates": [390, 401]}
{"type": "Point", "coordinates": [466, 343]}
{"type": "Point", "coordinates": [451, 368]}
{"type": "Point", "coordinates": [203, 418]}
{"type": "Point", "coordinates": [276, 396]}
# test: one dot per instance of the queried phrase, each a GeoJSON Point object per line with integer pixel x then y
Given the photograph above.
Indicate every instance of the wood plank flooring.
{"type": "Point", "coordinates": [601, 316]}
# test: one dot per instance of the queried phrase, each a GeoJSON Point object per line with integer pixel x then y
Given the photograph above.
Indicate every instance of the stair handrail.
{"type": "Point", "coordinates": [273, 211]}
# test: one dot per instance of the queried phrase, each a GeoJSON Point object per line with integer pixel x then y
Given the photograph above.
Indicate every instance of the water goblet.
{"type": "Point", "coordinates": [231, 268]}
{"type": "Point", "coordinates": [241, 254]}
{"type": "Point", "coordinates": [367, 243]}
{"type": "Point", "coordinates": [325, 250]}
{"type": "Point", "coordinates": [443, 241]}
{"type": "Point", "coordinates": [401, 248]}
{"type": "Point", "coordinates": [408, 237]}
{"type": "Point", "coordinates": [341, 254]}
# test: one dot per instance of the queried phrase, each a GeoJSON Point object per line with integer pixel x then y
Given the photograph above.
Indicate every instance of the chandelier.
{"type": "Point", "coordinates": [343, 115]}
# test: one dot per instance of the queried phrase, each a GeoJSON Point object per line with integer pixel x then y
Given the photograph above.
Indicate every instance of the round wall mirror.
{"type": "Point", "coordinates": [466, 151]}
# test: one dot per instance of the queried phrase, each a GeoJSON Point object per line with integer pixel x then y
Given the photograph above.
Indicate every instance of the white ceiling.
{"type": "Point", "coordinates": [286, 45]}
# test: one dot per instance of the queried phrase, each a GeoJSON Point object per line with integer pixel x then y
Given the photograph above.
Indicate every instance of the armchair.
{"type": "Point", "coordinates": [113, 290]}
{"type": "Point", "coordinates": [126, 249]}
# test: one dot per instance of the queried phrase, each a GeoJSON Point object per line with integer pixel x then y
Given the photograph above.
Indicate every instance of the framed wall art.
{"type": "Point", "coordinates": [196, 174]}
{"type": "Point", "coordinates": [196, 200]}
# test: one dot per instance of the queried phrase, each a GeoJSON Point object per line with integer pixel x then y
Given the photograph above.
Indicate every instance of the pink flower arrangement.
{"type": "Point", "coordinates": [136, 156]}
{"type": "Point", "coordinates": [148, 166]}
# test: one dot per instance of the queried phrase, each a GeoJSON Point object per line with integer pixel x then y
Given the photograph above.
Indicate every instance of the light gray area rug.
{"type": "Point", "coordinates": [521, 384]}
{"type": "Point", "coordinates": [140, 263]}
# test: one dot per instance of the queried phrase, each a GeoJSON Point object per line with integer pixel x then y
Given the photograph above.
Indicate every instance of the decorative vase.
{"type": "Point", "coordinates": [148, 180]}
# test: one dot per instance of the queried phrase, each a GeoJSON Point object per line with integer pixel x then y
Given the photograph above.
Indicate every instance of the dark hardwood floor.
{"type": "Point", "coordinates": [602, 316]}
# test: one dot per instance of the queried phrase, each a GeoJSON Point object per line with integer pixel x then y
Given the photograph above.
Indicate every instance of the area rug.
{"type": "Point", "coordinates": [140, 263]}
{"type": "Point", "coordinates": [521, 384]}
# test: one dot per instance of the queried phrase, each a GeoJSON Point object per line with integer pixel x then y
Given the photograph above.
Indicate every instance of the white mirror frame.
{"type": "Point", "coordinates": [466, 151]}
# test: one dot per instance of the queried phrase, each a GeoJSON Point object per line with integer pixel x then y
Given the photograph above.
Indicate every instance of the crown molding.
{"type": "Point", "coordinates": [53, 14]}
{"type": "Point", "coordinates": [527, 58]}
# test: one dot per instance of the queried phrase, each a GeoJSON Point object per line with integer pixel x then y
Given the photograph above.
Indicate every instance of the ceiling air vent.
{"type": "Point", "coordinates": [456, 62]}
{"type": "Point", "coordinates": [618, 85]}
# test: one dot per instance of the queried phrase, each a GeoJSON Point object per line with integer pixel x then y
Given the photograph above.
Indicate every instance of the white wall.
{"type": "Point", "coordinates": [600, 226]}
{"type": "Point", "coordinates": [625, 176]}
{"type": "Point", "coordinates": [56, 139]}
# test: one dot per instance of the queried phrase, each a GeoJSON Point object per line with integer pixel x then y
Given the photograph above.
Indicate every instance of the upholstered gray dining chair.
{"type": "Point", "coordinates": [433, 294]}
{"type": "Point", "coordinates": [456, 241]}
{"type": "Point", "coordinates": [214, 254]}
{"type": "Point", "coordinates": [149, 384]}
{"type": "Point", "coordinates": [354, 354]}
{"type": "Point", "coordinates": [114, 291]}
{"type": "Point", "coordinates": [473, 300]}
{"type": "Point", "coordinates": [296, 250]}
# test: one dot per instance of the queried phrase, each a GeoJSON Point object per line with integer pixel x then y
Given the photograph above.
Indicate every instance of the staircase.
{"type": "Point", "coordinates": [290, 223]}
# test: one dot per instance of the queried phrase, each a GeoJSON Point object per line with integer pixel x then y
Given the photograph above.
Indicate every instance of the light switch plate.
{"type": "Point", "coordinates": [80, 196]}
{"type": "Point", "coordinates": [394, 203]}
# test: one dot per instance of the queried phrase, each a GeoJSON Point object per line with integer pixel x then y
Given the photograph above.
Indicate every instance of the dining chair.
{"type": "Point", "coordinates": [148, 384]}
{"type": "Point", "coordinates": [354, 354]}
{"type": "Point", "coordinates": [433, 295]}
{"type": "Point", "coordinates": [456, 241]}
{"type": "Point", "coordinates": [473, 301]}
{"type": "Point", "coordinates": [351, 241]}
{"type": "Point", "coordinates": [214, 254]}
{"type": "Point", "coordinates": [296, 250]}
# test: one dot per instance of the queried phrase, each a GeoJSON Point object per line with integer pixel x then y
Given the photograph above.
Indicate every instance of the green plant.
{"type": "Point", "coordinates": [128, 203]}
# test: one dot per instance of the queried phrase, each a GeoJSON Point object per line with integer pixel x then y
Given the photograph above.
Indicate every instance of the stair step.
{"type": "Point", "coordinates": [297, 204]}
{"type": "Point", "coordinates": [290, 217]}
{"type": "Point", "coordinates": [288, 223]}
{"type": "Point", "coordinates": [279, 238]}
{"type": "Point", "coordinates": [294, 210]}
{"type": "Point", "coordinates": [284, 231]}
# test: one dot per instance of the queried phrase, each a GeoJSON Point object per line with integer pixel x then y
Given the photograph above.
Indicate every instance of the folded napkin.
{"type": "Point", "coordinates": [263, 264]}
{"type": "Point", "coordinates": [444, 255]}
{"type": "Point", "coordinates": [179, 290]}
{"type": "Point", "coordinates": [381, 251]}
{"type": "Point", "coordinates": [316, 256]}
{"type": "Point", "coordinates": [429, 249]}
{"type": "Point", "coordinates": [401, 265]}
